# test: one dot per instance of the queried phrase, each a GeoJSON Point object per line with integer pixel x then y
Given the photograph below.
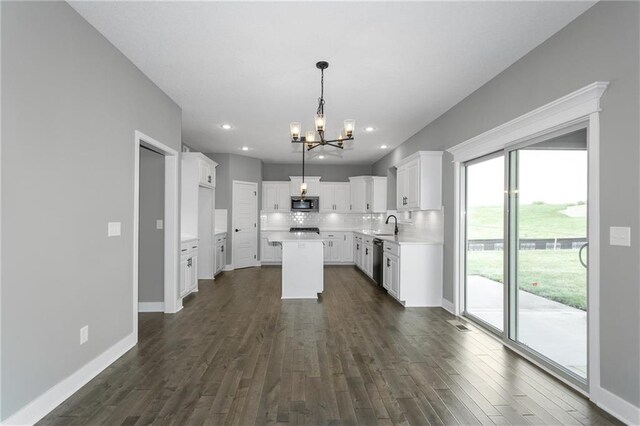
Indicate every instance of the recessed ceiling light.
{"type": "Point", "coordinates": [383, 147]}
{"type": "Point", "coordinates": [245, 148]}
{"type": "Point", "coordinates": [321, 157]}
{"type": "Point", "coordinates": [369, 129]}
{"type": "Point", "coordinates": [226, 126]}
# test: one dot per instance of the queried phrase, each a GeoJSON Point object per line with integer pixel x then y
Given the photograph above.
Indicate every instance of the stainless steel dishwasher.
{"type": "Point", "coordinates": [378, 252]}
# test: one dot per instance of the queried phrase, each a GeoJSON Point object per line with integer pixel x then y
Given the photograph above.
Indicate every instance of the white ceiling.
{"type": "Point", "coordinates": [394, 66]}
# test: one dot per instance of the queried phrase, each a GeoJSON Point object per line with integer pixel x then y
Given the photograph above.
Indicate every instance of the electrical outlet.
{"type": "Point", "coordinates": [159, 224]}
{"type": "Point", "coordinates": [84, 334]}
{"type": "Point", "coordinates": [113, 229]}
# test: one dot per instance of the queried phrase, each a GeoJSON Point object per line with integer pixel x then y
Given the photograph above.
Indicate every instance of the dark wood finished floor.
{"type": "Point", "coordinates": [237, 354]}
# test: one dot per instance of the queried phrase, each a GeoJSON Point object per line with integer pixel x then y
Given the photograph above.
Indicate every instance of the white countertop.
{"type": "Point", "coordinates": [400, 238]}
{"type": "Point", "coordinates": [285, 237]}
{"type": "Point", "coordinates": [185, 238]}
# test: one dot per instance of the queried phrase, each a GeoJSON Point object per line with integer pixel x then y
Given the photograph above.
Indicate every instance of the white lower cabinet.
{"type": "Point", "coordinates": [338, 247]}
{"type": "Point", "coordinates": [269, 252]}
{"type": "Point", "coordinates": [188, 267]}
{"type": "Point", "coordinates": [363, 253]}
{"type": "Point", "coordinates": [412, 273]}
{"type": "Point", "coordinates": [221, 252]}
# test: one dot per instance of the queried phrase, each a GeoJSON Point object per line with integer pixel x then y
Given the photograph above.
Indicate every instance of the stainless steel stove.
{"type": "Point", "coordinates": [305, 229]}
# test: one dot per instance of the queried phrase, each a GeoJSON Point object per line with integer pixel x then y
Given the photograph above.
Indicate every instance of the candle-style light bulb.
{"type": "Point", "coordinates": [349, 127]}
{"type": "Point", "coordinates": [295, 130]}
{"type": "Point", "coordinates": [321, 121]}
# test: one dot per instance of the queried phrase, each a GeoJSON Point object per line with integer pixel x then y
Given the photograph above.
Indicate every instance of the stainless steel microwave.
{"type": "Point", "coordinates": [305, 204]}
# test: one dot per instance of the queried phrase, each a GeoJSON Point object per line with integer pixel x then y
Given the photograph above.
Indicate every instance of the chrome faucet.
{"type": "Point", "coordinates": [395, 230]}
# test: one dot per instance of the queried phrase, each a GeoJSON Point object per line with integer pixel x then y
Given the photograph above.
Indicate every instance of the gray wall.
{"type": "Point", "coordinates": [601, 44]}
{"type": "Point", "coordinates": [328, 172]}
{"type": "Point", "coordinates": [235, 167]}
{"type": "Point", "coordinates": [151, 246]}
{"type": "Point", "coordinates": [70, 105]}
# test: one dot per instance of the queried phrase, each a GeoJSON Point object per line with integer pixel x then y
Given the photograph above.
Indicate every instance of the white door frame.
{"type": "Point", "coordinates": [233, 222]}
{"type": "Point", "coordinates": [171, 224]}
{"type": "Point", "coordinates": [581, 106]}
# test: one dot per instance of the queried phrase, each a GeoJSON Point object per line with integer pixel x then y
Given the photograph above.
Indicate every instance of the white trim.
{"type": "Point", "coordinates": [593, 272]}
{"type": "Point", "coordinates": [417, 154]}
{"type": "Point", "coordinates": [578, 104]}
{"type": "Point", "coordinates": [172, 303]}
{"type": "Point", "coordinates": [618, 407]}
{"type": "Point", "coordinates": [45, 403]}
{"type": "Point", "coordinates": [449, 306]}
{"type": "Point", "coordinates": [150, 306]}
{"type": "Point", "coordinates": [228, 267]}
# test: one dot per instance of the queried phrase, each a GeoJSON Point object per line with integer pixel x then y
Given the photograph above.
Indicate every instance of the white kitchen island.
{"type": "Point", "coordinates": [302, 264]}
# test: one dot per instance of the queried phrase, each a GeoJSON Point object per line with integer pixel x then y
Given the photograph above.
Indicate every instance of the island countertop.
{"type": "Point", "coordinates": [284, 237]}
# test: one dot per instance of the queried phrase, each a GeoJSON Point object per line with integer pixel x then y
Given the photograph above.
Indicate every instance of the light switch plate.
{"type": "Point", "coordinates": [84, 334]}
{"type": "Point", "coordinates": [113, 229]}
{"type": "Point", "coordinates": [159, 224]}
{"type": "Point", "coordinates": [620, 236]}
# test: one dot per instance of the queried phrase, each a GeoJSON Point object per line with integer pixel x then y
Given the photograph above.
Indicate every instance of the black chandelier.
{"type": "Point", "coordinates": [309, 139]}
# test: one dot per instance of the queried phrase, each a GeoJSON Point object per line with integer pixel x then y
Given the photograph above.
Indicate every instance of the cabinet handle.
{"type": "Point", "coordinates": [194, 247]}
{"type": "Point", "coordinates": [350, 206]}
{"type": "Point", "coordinates": [209, 179]}
{"type": "Point", "coordinates": [222, 249]}
{"type": "Point", "coordinates": [366, 251]}
{"type": "Point", "coordinates": [388, 262]}
{"type": "Point", "coordinates": [184, 250]}
{"type": "Point", "coordinates": [367, 206]}
{"type": "Point", "coordinates": [357, 246]}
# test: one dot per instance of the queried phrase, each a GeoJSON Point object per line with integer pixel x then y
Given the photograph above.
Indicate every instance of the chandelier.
{"type": "Point", "coordinates": [309, 139]}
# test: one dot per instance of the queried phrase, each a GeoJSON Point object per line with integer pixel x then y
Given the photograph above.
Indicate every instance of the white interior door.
{"type": "Point", "coordinates": [245, 224]}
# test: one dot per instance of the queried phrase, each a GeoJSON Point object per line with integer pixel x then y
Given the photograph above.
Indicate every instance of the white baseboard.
{"type": "Point", "coordinates": [617, 407]}
{"type": "Point", "coordinates": [45, 403]}
{"type": "Point", "coordinates": [228, 267]}
{"type": "Point", "coordinates": [150, 306]}
{"type": "Point", "coordinates": [449, 306]}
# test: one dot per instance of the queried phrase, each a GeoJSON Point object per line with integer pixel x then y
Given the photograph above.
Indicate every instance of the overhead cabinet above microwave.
{"type": "Point", "coordinates": [419, 182]}
{"type": "Point", "coordinates": [313, 185]}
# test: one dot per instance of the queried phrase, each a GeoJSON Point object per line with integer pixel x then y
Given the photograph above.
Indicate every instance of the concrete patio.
{"type": "Point", "coordinates": [557, 331]}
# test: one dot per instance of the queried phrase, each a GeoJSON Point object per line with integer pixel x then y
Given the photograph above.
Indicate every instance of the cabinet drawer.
{"type": "Point", "coordinates": [367, 240]}
{"type": "Point", "coordinates": [392, 248]}
{"type": "Point", "coordinates": [188, 247]}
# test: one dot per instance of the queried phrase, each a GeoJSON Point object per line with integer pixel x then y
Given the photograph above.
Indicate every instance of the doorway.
{"type": "Point", "coordinates": [244, 224]}
{"type": "Point", "coordinates": [170, 225]}
{"type": "Point", "coordinates": [151, 232]}
{"type": "Point", "coordinates": [526, 248]}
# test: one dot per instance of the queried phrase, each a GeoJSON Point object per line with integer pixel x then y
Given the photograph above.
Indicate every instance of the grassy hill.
{"type": "Point", "coordinates": [534, 221]}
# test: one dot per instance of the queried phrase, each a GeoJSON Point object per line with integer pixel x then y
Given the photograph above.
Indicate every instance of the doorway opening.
{"type": "Point", "coordinates": [170, 225]}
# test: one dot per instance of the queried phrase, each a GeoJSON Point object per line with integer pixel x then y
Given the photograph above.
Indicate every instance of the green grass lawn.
{"type": "Point", "coordinates": [553, 274]}
{"type": "Point", "coordinates": [534, 221]}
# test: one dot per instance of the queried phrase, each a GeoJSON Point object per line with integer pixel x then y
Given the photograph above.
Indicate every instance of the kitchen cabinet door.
{"type": "Point", "coordinates": [401, 188]}
{"type": "Point", "coordinates": [184, 272]}
{"type": "Point", "coordinates": [266, 250]}
{"type": "Point", "coordinates": [358, 195]}
{"type": "Point", "coordinates": [327, 197]}
{"type": "Point", "coordinates": [341, 197]}
{"type": "Point", "coordinates": [269, 197]}
{"type": "Point", "coordinates": [347, 247]}
{"type": "Point", "coordinates": [368, 259]}
{"type": "Point", "coordinates": [412, 186]}
{"type": "Point", "coordinates": [193, 277]}
{"type": "Point", "coordinates": [283, 199]}
{"type": "Point", "coordinates": [395, 275]}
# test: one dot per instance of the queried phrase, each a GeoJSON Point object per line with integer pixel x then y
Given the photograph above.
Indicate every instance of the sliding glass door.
{"type": "Point", "coordinates": [545, 244]}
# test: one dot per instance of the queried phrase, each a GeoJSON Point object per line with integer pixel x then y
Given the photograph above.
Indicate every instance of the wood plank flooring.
{"type": "Point", "coordinates": [239, 355]}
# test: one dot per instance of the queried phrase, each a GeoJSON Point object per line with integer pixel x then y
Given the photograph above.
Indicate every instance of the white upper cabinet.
{"type": "Point", "coordinates": [313, 185]}
{"type": "Point", "coordinates": [419, 182]}
{"type": "Point", "coordinates": [334, 197]}
{"type": "Point", "coordinates": [206, 168]}
{"type": "Point", "coordinates": [368, 194]}
{"type": "Point", "coordinates": [276, 196]}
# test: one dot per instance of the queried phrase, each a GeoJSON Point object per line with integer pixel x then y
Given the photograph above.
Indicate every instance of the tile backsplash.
{"type": "Point", "coordinates": [428, 224]}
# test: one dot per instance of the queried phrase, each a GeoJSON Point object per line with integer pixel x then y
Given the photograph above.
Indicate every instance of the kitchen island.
{"type": "Point", "coordinates": [302, 264]}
